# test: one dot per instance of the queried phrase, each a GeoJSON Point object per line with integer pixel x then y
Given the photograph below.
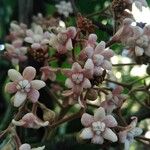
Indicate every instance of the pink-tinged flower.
{"type": "Point", "coordinates": [127, 136]}
{"type": "Point", "coordinates": [37, 38]}
{"type": "Point", "coordinates": [28, 147]}
{"type": "Point", "coordinates": [17, 31]}
{"type": "Point", "coordinates": [113, 100]}
{"type": "Point", "coordinates": [16, 52]}
{"type": "Point", "coordinates": [124, 32]}
{"type": "Point", "coordinates": [100, 57]}
{"type": "Point", "coordinates": [48, 73]}
{"type": "Point", "coordinates": [29, 120]}
{"type": "Point", "coordinates": [24, 86]}
{"type": "Point", "coordinates": [97, 127]}
{"type": "Point", "coordinates": [63, 40]}
{"type": "Point", "coordinates": [77, 79]}
{"type": "Point", "coordinates": [91, 42]}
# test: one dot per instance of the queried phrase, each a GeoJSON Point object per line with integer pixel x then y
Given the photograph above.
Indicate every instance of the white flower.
{"type": "Point", "coordinates": [24, 86]}
{"type": "Point", "coordinates": [64, 8]}
{"type": "Point", "coordinates": [28, 147]}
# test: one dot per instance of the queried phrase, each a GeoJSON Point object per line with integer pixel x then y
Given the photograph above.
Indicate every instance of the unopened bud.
{"type": "Point", "coordinates": [92, 95]}
{"type": "Point", "coordinates": [49, 115]}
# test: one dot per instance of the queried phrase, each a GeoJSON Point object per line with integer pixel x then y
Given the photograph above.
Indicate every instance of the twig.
{"type": "Point", "coordinates": [118, 83]}
{"type": "Point", "coordinates": [125, 64]}
{"type": "Point", "coordinates": [69, 118]}
{"type": "Point", "coordinates": [101, 12]}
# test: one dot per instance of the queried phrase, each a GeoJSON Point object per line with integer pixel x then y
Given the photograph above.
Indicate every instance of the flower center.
{"type": "Point", "coordinates": [77, 78]}
{"type": "Point", "coordinates": [23, 86]}
{"type": "Point", "coordinates": [98, 127]}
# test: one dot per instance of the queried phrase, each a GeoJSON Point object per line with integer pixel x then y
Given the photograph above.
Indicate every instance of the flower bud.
{"type": "Point", "coordinates": [49, 115]}
{"type": "Point", "coordinates": [92, 95]}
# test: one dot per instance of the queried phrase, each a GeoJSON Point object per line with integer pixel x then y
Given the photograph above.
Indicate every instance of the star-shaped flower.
{"type": "Point", "coordinates": [37, 38]}
{"type": "Point", "coordinates": [77, 79]}
{"type": "Point", "coordinates": [48, 73]}
{"type": "Point", "coordinates": [113, 100]}
{"type": "Point", "coordinates": [16, 52]}
{"type": "Point", "coordinates": [127, 136]}
{"type": "Point", "coordinates": [100, 57]}
{"type": "Point", "coordinates": [63, 40]}
{"type": "Point", "coordinates": [24, 86]}
{"type": "Point", "coordinates": [29, 120]}
{"type": "Point", "coordinates": [97, 127]}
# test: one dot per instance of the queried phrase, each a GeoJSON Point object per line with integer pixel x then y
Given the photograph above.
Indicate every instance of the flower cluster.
{"type": "Point", "coordinates": [62, 41]}
{"type": "Point", "coordinates": [83, 63]}
{"type": "Point", "coordinates": [15, 51]}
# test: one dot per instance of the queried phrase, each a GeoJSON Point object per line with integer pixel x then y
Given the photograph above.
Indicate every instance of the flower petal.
{"type": "Point", "coordinates": [76, 67]}
{"type": "Point", "coordinates": [69, 45]}
{"type": "Point", "coordinates": [89, 51]}
{"type": "Point", "coordinates": [18, 123]}
{"type": "Point", "coordinates": [110, 135]}
{"type": "Point", "coordinates": [36, 46]}
{"type": "Point", "coordinates": [86, 83]}
{"type": "Point", "coordinates": [122, 136]}
{"type": "Point", "coordinates": [14, 75]}
{"type": "Point", "coordinates": [100, 47]}
{"type": "Point", "coordinates": [25, 147]}
{"type": "Point", "coordinates": [37, 84]}
{"type": "Point", "coordinates": [86, 133]}
{"type": "Point", "coordinates": [107, 65]}
{"type": "Point", "coordinates": [41, 123]}
{"type": "Point", "coordinates": [29, 40]}
{"type": "Point", "coordinates": [89, 65]}
{"type": "Point", "coordinates": [107, 54]}
{"type": "Point", "coordinates": [10, 87]}
{"type": "Point", "coordinates": [29, 73]}
{"type": "Point", "coordinates": [117, 90]}
{"type": "Point", "coordinates": [110, 121]}
{"type": "Point", "coordinates": [33, 95]}
{"type": "Point", "coordinates": [97, 139]}
{"type": "Point", "coordinates": [137, 131]}
{"type": "Point", "coordinates": [69, 83]}
{"type": "Point", "coordinates": [99, 114]}
{"type": "Point", "coordinates": [87, 119]}
{"type": "Point", "coordinates": [19, 98]}
{"type": "Point", "coordinates": [127, 145]}
{"type": "Point", "coordinates": [39, 148]}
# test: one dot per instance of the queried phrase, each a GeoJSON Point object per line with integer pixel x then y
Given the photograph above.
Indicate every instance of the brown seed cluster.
{"type": "Point", "coordinates": [84, 24]}
{"type": "Point", "coordinates": [118, 8]}
{"type": "Point", "coordinates": [40, 55]}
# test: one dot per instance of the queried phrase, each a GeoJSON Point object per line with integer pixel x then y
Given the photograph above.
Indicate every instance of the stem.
{"type": "Point", "coordinates": [69, 118]}
{"type": "Point", "coordinates": [118, 83]}
{"type": "Point", "coordinates": [126, 64]}
{"type": "Point", "coordinates": [101, 12]}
